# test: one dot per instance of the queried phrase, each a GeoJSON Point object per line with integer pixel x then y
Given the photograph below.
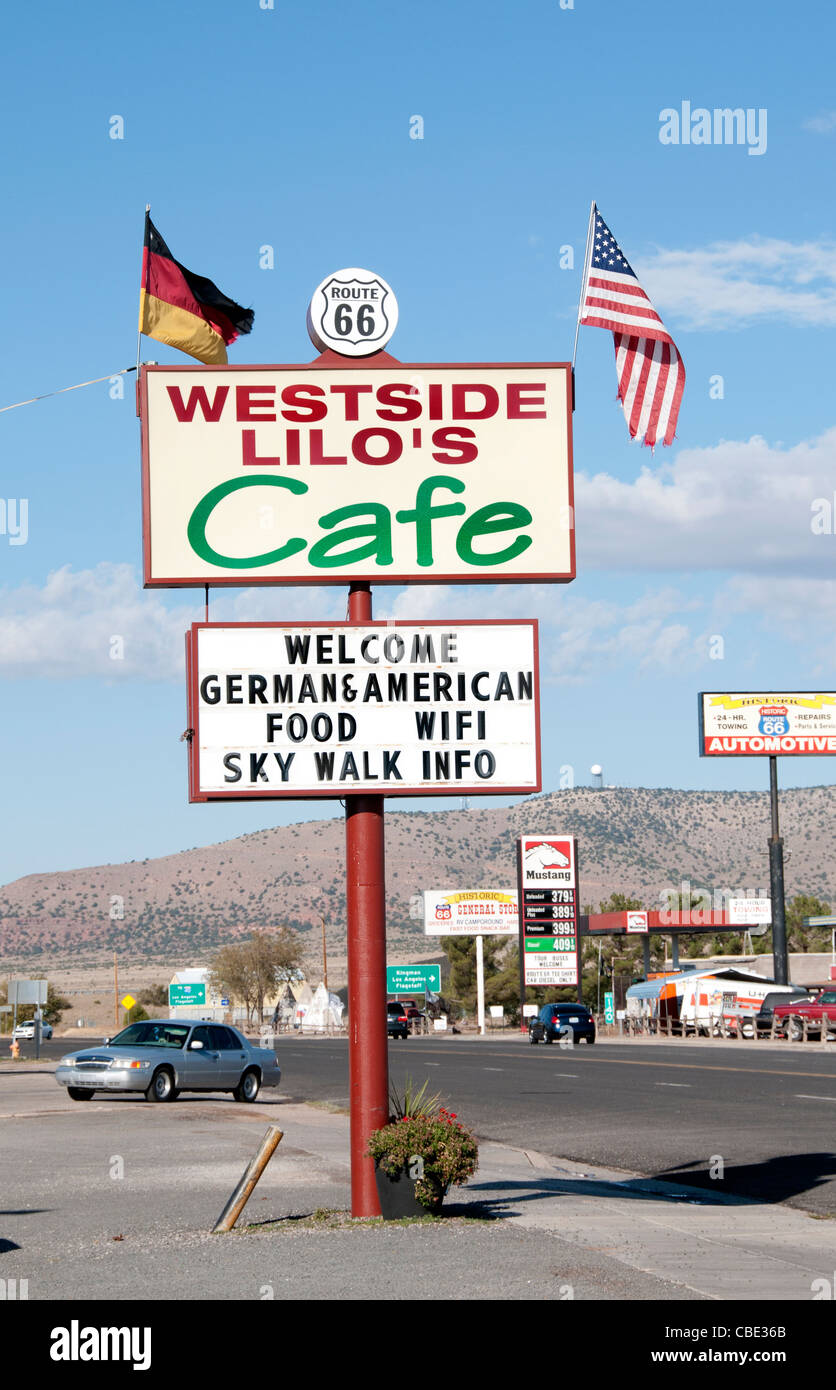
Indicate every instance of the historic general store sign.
{"type": "Point", "coordinates": [471, 912]}
{"type": "Point", "coordinates": [547, 878]}
{"type": "Point", "coordinates": [326, 709]}
{"type": "Point", "coordinates": [351, 471]}
{"type": "Point", "coordinates": [795, 723]}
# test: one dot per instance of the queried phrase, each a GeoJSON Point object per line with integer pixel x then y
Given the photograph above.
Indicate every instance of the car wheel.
{"type": "Point", "coordinates": [795, 1031]}
{"type": "Point", "coordinates": [534, 1041]}
{"type": "Point", "coordinates": [79, 1093]}
{"type": "Point", "coordinates": [590, 1041]}
{"type": "Point", "coordinates": [162, 1086]}
{"type": "Point", "coordinates": [248, 1087]}
{"type": "Point", "coordinates": [547, 1039]}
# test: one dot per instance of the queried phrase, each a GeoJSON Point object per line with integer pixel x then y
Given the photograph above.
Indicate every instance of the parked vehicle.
{"type": "Point", "coordinates": [397, 1023]}
{"type": "Point", "coordinates": [556, 1021]}
{"type": "Point", "coordinates": [27, 1030]}
{"type": "Point", "coordinates": [166, 1056]}
{"type": "Point", "coordinates": [762, 1020]}
{"type": "Point", "coordinates": [819, 1012]}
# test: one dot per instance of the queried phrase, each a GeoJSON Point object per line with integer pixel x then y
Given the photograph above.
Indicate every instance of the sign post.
{"type": "Point", "coordinates": [359, 469]}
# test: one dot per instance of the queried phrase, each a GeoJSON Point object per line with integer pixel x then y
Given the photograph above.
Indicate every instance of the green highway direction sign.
{"type": "Point", "coordinates": [413, 979]}
{"type": "Point", "coordinates": [550, 943]}
{"type": "Point", "coordinates": [186, 994]}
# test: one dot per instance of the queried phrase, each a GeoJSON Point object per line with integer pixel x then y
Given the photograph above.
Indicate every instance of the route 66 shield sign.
{"type": "Point", "coordinates": [353, 312]}
{"type": "Point", "coordinates": [773, 724]}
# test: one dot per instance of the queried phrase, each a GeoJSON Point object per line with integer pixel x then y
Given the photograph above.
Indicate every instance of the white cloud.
{"type": "Point", "coordinates": [739, 505]}
{"type": "Point", "coordinates": [736, 284]}
{"type": "Point", "coordinates": [70, 627]}
{"type": "Point", "coordinates": [823, 124]}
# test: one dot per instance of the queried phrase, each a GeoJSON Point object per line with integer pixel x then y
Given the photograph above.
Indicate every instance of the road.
{"type": "Point", "coordinates": [767, 1113]}
{"type": "Point", "coordinates": [759, 1116]}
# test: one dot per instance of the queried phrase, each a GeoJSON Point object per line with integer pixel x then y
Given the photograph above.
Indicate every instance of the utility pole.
{"type": "Point", "coordinates": [324, 955]}
{"type": "Point", "coordinates": [776, 884]}
{"type": "Point", "coordinates": [115, 992]}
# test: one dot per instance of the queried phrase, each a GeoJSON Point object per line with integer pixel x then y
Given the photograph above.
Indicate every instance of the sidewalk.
{"type": "Point", "coordinates": [526, 1226]}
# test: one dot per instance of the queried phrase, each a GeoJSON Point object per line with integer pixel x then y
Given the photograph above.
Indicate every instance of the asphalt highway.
{"type": "Point", "coordinates": [762, 1119]}
{"type": "Point", "coordinates": [750, 1119]}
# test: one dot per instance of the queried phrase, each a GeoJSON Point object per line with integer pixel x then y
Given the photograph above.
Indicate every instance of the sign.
{"type": "Point", "coordinates": [224, 1003]}
{"type": "Point", "coordinates": [352, 312]}
{"type": "Point", "coordinates": [413, 979]}
{"type": "Point", "coordinates": [636, 922]}
{"type": "Point", "coordinates": [471, 912]}
{"type": "Point", "coordinates": [128, 1001]}
{"type": "Point", "coordinates": [325, 710]}
{"type": "Point", "coordinates": [751, 723]}
{"type": "Point", "coordinates": [749, 912]}
{"type": "Point", "coordinates": [397, 474]}
{"type": "Point", "coordinates": [179, 995]}
{"type": "Point", "coordinates": [547, 879]}
{"type": "Point", "coordinates": [27, 992]}
{"type": "Point", "coordinates": [820, 921]}
{"type": "Point", "coordinates": [609, 1007]}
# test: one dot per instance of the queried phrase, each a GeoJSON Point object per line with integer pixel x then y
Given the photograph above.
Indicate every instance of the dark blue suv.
{"type": "Point", "coordinates": [556, 1021]}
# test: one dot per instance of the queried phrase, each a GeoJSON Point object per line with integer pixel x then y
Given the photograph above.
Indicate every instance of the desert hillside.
{"type": "Point", "coordinates": [632, 840]}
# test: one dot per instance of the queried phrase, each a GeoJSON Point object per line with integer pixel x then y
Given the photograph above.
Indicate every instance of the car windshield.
{"type": "Point", "coordinates": [829, 997]}
{"type": "Point", "coordinates": [151, 1035]}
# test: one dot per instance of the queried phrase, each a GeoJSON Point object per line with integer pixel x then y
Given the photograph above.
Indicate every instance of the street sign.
{"type": "Point", "coordinates": [547, 879]}
{"type": "Point", "coordinates": [820, 921]}
{"type": "Point", "coordinates": [27, 992]}
{"type": "Point", "coordinates": [471, 912]}
{"type": "Point", "coordinates": [413, 979]}
{"type": "Point", "coordinates": [737, 724]}
{"type": "Point", "coordinates": [402, 473]}
{"type": "Point", "coordinates": [609, 1007]}
{"type": "Point", "coordinates": [224, 1003]}
{"type": "Point", "coordinates": [128, 1001]}
{"type": "Point", "coordinates": [329, 709]}
{"type": "Point", "coordinates": [637, 922]}
{"type": "Point", "coordinates": [186, 994]}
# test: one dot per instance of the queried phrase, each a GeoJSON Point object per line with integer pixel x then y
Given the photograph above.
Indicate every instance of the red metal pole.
{"type": "Point", "coordinates": [368, 1056]}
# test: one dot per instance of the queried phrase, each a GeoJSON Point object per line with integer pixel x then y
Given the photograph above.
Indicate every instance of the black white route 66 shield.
{"type": "Point", "coordinates": [354, 312]}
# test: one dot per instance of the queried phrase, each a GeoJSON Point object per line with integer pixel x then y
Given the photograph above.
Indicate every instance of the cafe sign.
{"type": "Point", "coordinates": [354, 472]}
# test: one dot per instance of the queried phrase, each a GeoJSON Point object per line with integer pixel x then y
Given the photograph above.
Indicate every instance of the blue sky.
{"type": "Point", "coordinates": [290, 127]}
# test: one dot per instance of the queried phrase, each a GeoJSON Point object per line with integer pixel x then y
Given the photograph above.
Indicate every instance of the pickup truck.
{"type": "Point", "coordinates": [822, 1008]}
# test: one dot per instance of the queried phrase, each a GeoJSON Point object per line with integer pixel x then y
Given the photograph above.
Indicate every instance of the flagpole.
{"type": "Point", "coordinates": [139, 329]}
{"type": "Point", "coordinates": [586, 259]}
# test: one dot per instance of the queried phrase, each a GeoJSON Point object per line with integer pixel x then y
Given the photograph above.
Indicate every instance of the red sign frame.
{"type": "Point", "coordinates": [339, 791]}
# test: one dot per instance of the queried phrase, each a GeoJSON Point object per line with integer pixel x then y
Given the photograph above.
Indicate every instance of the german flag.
{"type": "Point", "coordinates": [185, 310]}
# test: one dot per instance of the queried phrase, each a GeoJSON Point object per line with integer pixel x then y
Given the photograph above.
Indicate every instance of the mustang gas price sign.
{"type": "Point", "coordinates": [392, 708]}
{"type": "Point", "coordinates": [421, 473]}
{"type": "Point", "coordinates": [795, 723]}
{"type": "Point", "coordinates": [547, 877]}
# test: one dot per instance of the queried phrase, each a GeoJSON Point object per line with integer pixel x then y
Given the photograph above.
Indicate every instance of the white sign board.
{"type": "Point", "coordinates": [419, 473]}
{"type": "Point", "coordinates": [798, 723]}
{"type": "Point", "coordinates": [749, 912]}
{"type": "Point", "coordinates": [353, 312]}
{"type": "Point", "coordinates": [471, 912]}
{"type": "Point", "coordinates": [27, 992]}
{"type": "Point", "coordinates": [636, 921]}
{"type": "Point", "coordinates": [547, 878]}
{"type": "Point", "coordinates": [328, 709]}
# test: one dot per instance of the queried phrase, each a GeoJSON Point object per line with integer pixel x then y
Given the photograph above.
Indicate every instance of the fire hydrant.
{"type": "Point", "coordinates": [14, 1048]}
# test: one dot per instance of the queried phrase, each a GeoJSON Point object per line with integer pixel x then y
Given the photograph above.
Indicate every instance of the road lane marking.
{"type": "Point", "coordinates": [572, 1074]}
{"type": "Point", "coordinates": [680, 1085]}
{"type": "Point", "coordinates": [493, 1069]}
{"type": "Point", "coordinates": [799, 1096]}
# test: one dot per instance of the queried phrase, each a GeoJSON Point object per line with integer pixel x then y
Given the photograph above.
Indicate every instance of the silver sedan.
{"type": "Point", "coordinates": [166, 1056]}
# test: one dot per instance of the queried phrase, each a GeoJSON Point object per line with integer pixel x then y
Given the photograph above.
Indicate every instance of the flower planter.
{"type": "Point", "coordinates": [396, 1194]}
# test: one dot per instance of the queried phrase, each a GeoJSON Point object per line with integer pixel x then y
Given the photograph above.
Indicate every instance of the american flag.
{"type": "Point", "coordinates": [651, 373]}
